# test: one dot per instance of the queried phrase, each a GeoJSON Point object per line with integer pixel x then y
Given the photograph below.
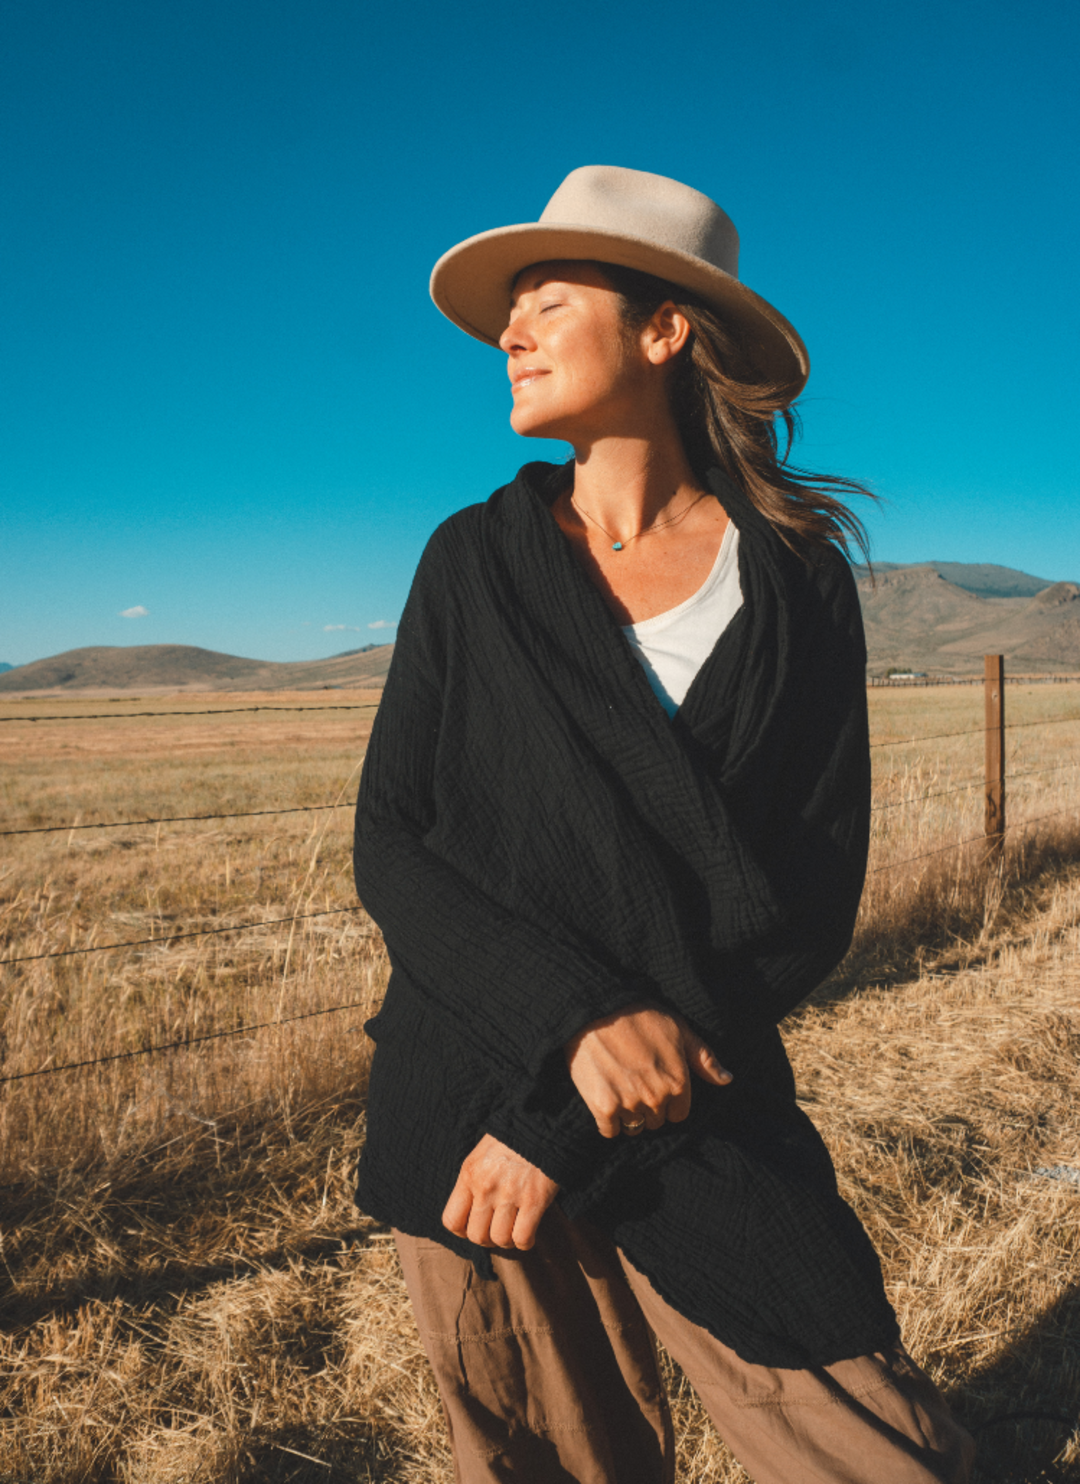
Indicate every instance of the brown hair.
{"type": "Point", "coordinates": [729, 417]}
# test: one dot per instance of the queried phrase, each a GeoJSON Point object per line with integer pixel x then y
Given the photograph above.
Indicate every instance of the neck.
{"type": "Point", "coordinates": [626, 483]}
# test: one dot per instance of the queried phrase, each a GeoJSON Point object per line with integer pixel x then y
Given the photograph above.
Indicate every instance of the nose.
{"type": "Point", "coordinates": [516, 336]}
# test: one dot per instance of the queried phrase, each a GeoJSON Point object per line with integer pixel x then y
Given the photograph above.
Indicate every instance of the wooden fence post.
{"type": "Point", "coordinates": [994, 688]}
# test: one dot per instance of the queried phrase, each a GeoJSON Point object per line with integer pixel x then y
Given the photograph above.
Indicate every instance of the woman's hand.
{"type": "Point", "coordinates": [499, 1198]}
{"type": "Point", "coordinates": [633, 1069]}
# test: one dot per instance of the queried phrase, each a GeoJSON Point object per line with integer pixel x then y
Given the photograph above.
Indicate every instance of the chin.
{"type": "Point", "coordinates": [531, 427]}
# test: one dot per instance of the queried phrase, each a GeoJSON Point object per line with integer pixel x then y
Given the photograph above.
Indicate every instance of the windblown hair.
{"type": "Point", "coordinates": [729, 417]}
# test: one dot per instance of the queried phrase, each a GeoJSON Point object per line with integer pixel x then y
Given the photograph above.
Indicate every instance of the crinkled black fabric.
{"type": "Point", "coordinates": [542, 845]}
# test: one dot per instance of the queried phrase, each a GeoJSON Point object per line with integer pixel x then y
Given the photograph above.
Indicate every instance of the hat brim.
{"type": "Point", "coordinates": [471, 284]}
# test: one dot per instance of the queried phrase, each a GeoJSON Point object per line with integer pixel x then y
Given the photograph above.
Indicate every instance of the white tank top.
{"type": "Point", "coordinates": [673, 646]}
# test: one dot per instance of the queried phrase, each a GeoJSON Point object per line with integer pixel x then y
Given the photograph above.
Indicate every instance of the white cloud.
{"type": "Point", "coordinates": [137, 612]}
{"type": "Point", "coordinates": [338, 628]}
{"type": "Point", "coordinates": [383, 623]}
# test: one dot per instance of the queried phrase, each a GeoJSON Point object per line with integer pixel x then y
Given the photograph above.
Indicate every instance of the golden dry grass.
{"type": "Point", "coordinates": [189, 1293]}
{"type": "Point", "coordinates": [919, 899]}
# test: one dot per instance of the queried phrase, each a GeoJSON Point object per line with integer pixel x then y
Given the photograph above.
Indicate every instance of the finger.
{"type": "Point", "coordinates": [503, 1221]}
{"type": "Point", "coordinates": [525, 1227]}
{"type": "Point", "coordinates": [455, 1216]}
{"type": "Point", "coordinates": [478, 1229]}
{"type": "Point", "coordinates": [679, 1106]}
{"type": "Point", "coordinates": [609, 1124]}
{"type": "Point", "coordinates": [704, 1062]}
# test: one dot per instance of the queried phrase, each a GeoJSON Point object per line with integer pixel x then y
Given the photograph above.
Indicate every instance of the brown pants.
{"type": "Point", "coordinates": [549, 1376]}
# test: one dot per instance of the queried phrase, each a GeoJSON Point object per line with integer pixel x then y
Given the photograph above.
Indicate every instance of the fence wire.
{"type": "Point", "coordinates": [127, 824]}
{"type": "Point", "coordinates": [960, 788]}
{"type": "Point", "coordinates": [1011, 726]}
{"type": "Point", "coordinates": [236, 927]}
{"type": "Point", "coordinates": [1023, 824]}
{"type": "Point", "coordinates": [354, 1004]}
{"type": "Point", "coordinates": [167, 941]}
{"type": "Point", "coordinates": [239, 1030]}
{"type": "Point", "coordinates": [217, 711]}
{"type": "Point", "coordinates": [943, 793]}
{"type": "Point", "coordinates": [373, 705]}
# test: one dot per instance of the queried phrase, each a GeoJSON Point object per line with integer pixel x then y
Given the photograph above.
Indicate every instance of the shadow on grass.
{"type": "Point", "coordinates": [174, 1282]}
{"type": "Point", "coordinates": [1023, 1407]}
{"type": "Point", "coordinates": [950, 912]}
{"type": "Point", "coordinates": [1024, 1443]}
{"type": "Point", "coordinates": [301, 1456]}
{"type": "Point", "coordinates": [127, 1233]}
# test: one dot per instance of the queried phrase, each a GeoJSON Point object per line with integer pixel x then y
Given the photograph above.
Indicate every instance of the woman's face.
{"type": "Point", "coordinates": [574, 371]}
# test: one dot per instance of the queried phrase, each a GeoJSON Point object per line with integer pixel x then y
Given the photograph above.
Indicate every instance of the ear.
{"type": "Point", "coordinates": [665, 334]}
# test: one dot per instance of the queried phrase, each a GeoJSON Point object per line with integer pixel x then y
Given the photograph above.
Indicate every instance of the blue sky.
{"type": "Point", "coordinates": [227, 399]}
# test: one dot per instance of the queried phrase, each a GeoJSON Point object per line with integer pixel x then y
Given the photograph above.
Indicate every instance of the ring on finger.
{"type": "Point", "coordinates": [635, 1127]}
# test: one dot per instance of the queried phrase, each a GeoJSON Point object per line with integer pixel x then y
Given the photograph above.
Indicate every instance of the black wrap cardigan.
{"type": "Point", "coordinates": [541, 845]}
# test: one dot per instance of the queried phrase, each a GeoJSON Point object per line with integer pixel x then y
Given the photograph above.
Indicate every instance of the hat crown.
{"type": "Point", "coordinates": [608, 214]}
{"type": "Point", "coordinates": [652, 208]}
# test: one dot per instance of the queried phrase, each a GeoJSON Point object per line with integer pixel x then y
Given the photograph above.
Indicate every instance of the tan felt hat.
{"type": "Point", "coordinates": [643, 221]}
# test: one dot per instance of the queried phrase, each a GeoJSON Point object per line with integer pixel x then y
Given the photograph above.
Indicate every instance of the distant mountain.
{"type": "Point", "coordinates": [5, 667]}
{"type": "Point", "coordinates": [981, 578]}
{"type": "Point", "coordinates": [183, 667]}
{"type": "Point", "coordinates": [917, 619]}
{"type": "Point", "coordinates": [940, 617]}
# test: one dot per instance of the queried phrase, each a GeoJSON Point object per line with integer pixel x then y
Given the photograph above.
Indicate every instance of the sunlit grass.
{"type": "Point", "coordinates": [190, 1293]}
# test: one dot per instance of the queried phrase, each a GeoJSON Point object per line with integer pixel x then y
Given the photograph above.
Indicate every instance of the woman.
{"type": "Point", "coordinates": [613, 822]}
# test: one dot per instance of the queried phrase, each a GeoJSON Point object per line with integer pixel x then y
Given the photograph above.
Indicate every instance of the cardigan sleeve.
{"type": "Point", "coordinates": [513, 990]}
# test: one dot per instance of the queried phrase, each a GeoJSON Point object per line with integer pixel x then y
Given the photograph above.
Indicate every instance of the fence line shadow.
{"type": "Point", "coordinates": [173, 1282]}
{"type": "Point", "coordinates": [1022, 1443]}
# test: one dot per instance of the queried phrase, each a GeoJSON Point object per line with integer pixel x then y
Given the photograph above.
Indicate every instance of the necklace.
{"type": "Point", "coordinates": [657, 525]}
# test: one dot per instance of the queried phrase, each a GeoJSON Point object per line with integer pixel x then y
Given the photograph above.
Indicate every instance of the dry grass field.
{"type": "Point", "coordinates": [188, 1292]}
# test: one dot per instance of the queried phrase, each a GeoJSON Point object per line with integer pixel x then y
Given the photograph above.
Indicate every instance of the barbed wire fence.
{"type": "Point", "coordinates": [216, 711]}
{"type": "Point", "coordinates": [992, 780]}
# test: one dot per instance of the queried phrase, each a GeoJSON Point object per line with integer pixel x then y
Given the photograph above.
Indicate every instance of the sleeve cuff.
{"type": "Point", "coordinates": [555, 1132]}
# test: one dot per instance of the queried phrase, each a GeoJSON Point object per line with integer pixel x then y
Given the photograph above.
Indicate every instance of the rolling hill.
{"type": "Point", "coordinates": [149, 667]}
{"type": "Point", "coordinates": [939, 617]}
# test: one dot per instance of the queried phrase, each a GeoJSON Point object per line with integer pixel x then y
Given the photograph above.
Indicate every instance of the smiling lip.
{"type": "Point", "coordinates": [524, 377]}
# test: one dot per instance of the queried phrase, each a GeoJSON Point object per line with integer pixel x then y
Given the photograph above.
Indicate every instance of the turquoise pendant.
{"type": "Point", "coordinates": [616, 546]}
